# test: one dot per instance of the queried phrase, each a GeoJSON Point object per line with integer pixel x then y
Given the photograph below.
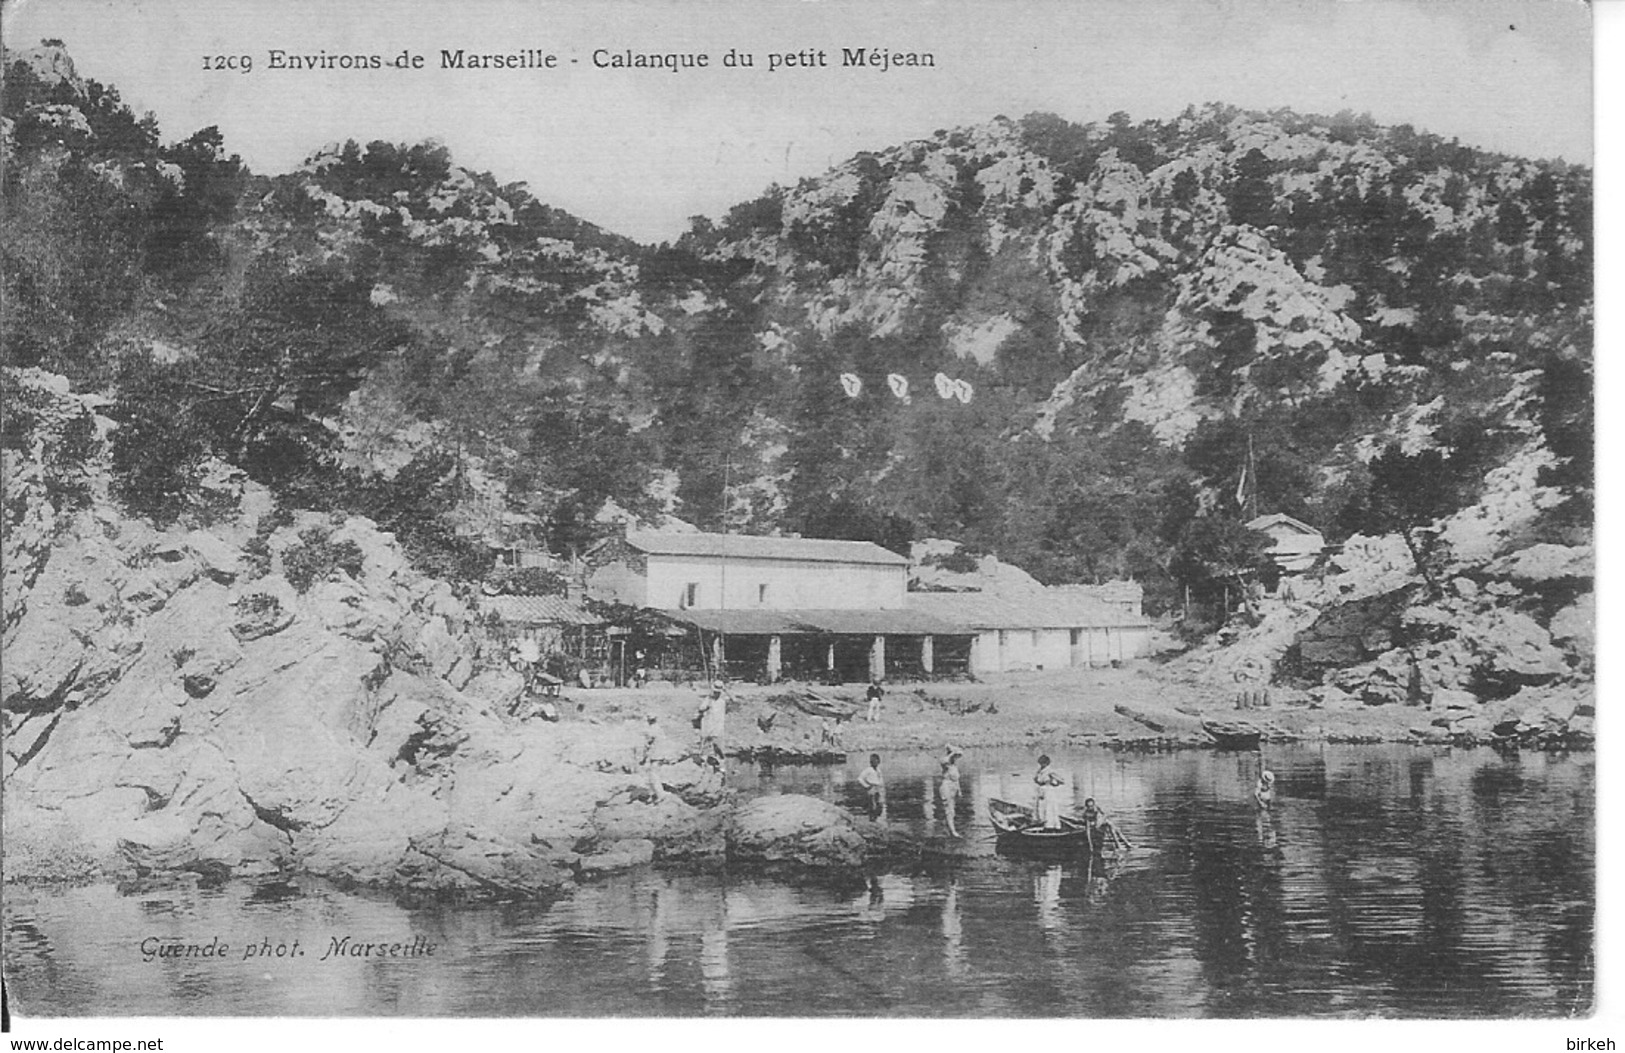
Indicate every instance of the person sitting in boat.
{"type": "Point", "coordinates": [1102, 833]}
{"type": "Point", "coordinates": [871, 781]}
{"type": "Point", "coordinates": [1264, 792]}
{"type": "Point", "coordinates": [1047, 799]}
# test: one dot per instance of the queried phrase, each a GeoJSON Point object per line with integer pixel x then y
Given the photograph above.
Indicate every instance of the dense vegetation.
{"type": "Point", "coordinates": [1168, 326]}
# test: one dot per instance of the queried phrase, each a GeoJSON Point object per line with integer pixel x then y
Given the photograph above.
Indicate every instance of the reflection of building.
{"type": "Point", "coordinates": [1295, 544]}
{"type": "Point", "coordinates": [804, 608]}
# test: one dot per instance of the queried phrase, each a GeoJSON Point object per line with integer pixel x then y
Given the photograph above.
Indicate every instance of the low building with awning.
{"type": "Point", "coordinates": [842, 643]}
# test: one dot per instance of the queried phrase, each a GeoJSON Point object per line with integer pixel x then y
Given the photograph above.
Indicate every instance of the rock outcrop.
{"type": "Point", "coordinates": [173, 702]}
{"type": "Point", "coordinates": [796, 832]}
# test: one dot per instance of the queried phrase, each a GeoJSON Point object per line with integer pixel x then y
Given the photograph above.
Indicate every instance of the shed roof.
{"type": "Point", "coordinates": [1038, 609]}
{"type": "Point", "coordinates": [746, 546]}
{"type": "Point", "coordinates": [538, 610]}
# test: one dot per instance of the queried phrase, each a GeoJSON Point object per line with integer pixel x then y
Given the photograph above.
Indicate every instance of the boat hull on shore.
{"type": "Point", "coordinates": [1232, 736]}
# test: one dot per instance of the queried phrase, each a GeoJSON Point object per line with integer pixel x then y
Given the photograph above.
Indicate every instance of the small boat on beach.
{"type": "Point", "coordinates": [1020, 832]}
{"type": "Point", "coordinates": [817, 705]}
{"type": "Point", "coordinates": [1232, 735]}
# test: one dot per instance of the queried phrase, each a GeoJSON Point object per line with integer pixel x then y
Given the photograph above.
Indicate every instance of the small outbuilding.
{"type": "Point", "coordinates": [1295, 544]}
{"type": "Point", "coordinates": [554, 623]}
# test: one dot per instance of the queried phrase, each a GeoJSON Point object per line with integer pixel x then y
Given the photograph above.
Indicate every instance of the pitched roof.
{"type": "Point", "coordinates": [745, 546]}
{"type": "Point", "coordinates": [1280, 519]}
{"type": "Point", "coordinates": [533, 610]}
{"type": "Point", "coordinates": [1038, 609]}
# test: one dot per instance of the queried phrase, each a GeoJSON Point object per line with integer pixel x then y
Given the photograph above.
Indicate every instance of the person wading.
{"type": "Point", "coordinates": [872, 782]}
{"type": "Point", "coordinates": [1264, 791]}
{"type": "Point", "coordinates": [948, 788]}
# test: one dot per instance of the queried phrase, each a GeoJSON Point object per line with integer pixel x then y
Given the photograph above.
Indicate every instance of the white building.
{"type": "Point", "coordinates": [804, 607]}
{"type": "Point", "coordinates": [710, 572]}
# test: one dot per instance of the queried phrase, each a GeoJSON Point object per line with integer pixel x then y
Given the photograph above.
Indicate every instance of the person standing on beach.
{"type": "Point", "coordinates": [874, 695]}
{"type": "Point", "coordinates": [651, 738]}
{"type": "Point", "coordinates": [712, 717]}
{"type": "Point", "coordinates": [872, 782]}
{"type": "Point", "coordinates": [948, 789]}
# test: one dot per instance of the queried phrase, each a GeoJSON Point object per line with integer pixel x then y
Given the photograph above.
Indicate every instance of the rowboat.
{"type": "Point", "coordinates": [819, 706]}
{"type": "Point", "coordinates": [1232, 735]}
{"type": "Point", "coordinates": [1020, 832]}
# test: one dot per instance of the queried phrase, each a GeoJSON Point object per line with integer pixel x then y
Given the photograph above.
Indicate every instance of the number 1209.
{"type": "Point", "coordinates": [240, 63]}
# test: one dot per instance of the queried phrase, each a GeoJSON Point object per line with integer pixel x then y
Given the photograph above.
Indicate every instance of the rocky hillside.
{"type": "Point", "coordinates": [277, 692]}
{"type": "Point", "coordinates": [1138, 323]}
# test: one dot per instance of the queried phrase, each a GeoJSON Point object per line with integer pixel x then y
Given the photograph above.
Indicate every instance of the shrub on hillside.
{"type": "Point", "coordinates": [316, 556]}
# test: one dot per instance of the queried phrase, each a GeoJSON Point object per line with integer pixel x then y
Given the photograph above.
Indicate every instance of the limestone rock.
{"type": "Point", "coordinates": [1516, 649]}
{"type": "Point", "coordinates": [1446, 698]}
{"type": "Point", "coordinates": [344, 607]}
{"type": "Point", "coordinates": [158, 722]}
{"type": "Point", "coordinates": [1539, 564]}
{"type": "Point", "coordinates": [618, 855]}
{"type": "Point", "coordinates": [1351, 632]}
{"type": "Point", "coordinates": [797, 830]}
{"type": "Point", "coordinates": [44, 846]}
{"type": "Point", "coordinates": [43, 658]}
{"type": "Point", "coordinates": [217, 559]}
{"type": "Point", "coordinates": [164, 713]}
{"type": "Point", "coordinates": [263, 608]}
{"type": "Point", "coordinates": [675, 827]}
{"type": "Point", "coordinates": [465, 860]}
{"type": "Point", "coordinates": [1576, 625]}
{"type": "Point", "coordinates": [1329, 696]}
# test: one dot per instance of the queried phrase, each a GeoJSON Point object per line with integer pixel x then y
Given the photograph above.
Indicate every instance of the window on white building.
{"type": "Point", "coordinates": [761, 595]}
{"type": "Point", "coordinates": [691, 595]}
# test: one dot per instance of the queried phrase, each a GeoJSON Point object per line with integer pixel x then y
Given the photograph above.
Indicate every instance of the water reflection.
{"type": "Point", "coordinates": [955, 964]}
{"type": "Point", "coordinates": [1387, 882]}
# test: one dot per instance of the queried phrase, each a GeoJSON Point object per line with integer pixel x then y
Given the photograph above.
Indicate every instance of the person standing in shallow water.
{"type": "Point", "coordinates": [1264, 791]}
{"type": "Point", "coordinates": [872, 782]}
{"type": "Point", "coordinates": [948, 789]}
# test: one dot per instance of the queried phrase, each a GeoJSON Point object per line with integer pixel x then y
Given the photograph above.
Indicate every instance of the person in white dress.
{"type": "Point", "coordinates": [1047, 796]}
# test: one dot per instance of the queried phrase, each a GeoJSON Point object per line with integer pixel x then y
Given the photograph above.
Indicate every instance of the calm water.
{"type": "Point", "coordinates": [1389, 882]}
